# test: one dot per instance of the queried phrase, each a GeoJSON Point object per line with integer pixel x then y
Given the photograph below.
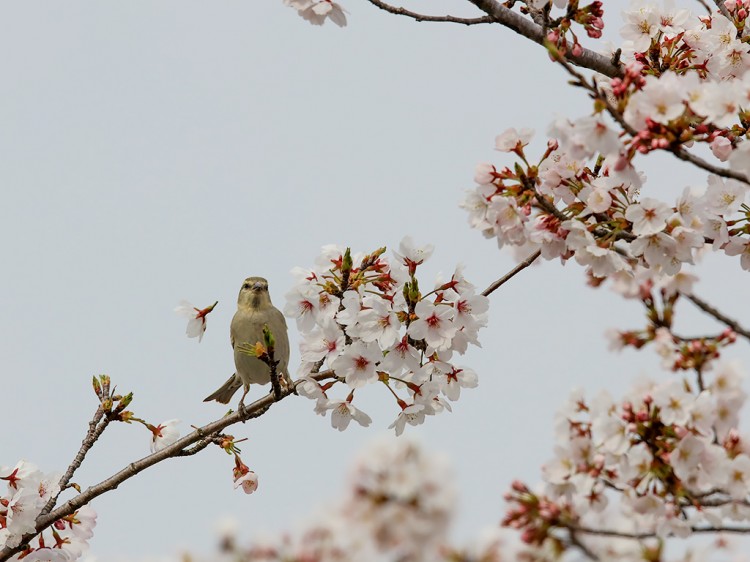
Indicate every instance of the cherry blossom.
{"type": "Point", "coordinates": [412, 414]}
{"type": "Point", "coordinates": [196, 326]}
{"type": "Point", "coordinates": [28, 491]}
{"type": "Point", "coordinates": [384, 330]}
{"type": "Point", "coordinates": [343, 412]}
{"type": "Point", "coordinates": [317, 11]}
{"type": "Point", "coordinates": [164, 434]}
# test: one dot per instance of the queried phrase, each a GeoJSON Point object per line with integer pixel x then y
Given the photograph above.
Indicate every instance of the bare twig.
{"type": "Point", "coordinates": [575, 541]}
{"type": "Point", "coordinates": [97, 425]}
{"type": "Point", "coordinates": [707, 308]}
{"type": "Point", "coordinates": [648, 535]}
{"type": "Point", "coordinates": [686, 156]}
{"type": "Point", "coordinates": [508, 276]}
{"type": "Point", "coordinates": [423, 17]}
{"type": "Point", "coordinates": [706, 6]}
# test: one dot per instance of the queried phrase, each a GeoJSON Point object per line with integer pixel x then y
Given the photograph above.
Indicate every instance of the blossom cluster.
{"type": "Point", "coordinates": [366, 320]}
{"type": "Point", "coordinates": [28, 492]}
{"type": "Point", "coordinates": [595, 214]}
{"type": "Point", "coordinates": [684, 81]}
{"type": "Point", "coordinates": [667, 460]}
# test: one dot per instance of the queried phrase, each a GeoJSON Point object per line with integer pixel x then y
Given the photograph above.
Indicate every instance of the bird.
{"type": "Point", "coordinates": [254, 310]}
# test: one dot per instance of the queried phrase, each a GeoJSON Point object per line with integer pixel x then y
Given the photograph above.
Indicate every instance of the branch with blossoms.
{"type": "Point", "coordinates": [31, 512]}
{"type": "Point", "coordinates": [654, 137]}
{"type": "Point", "coordinates": [363, 315]}
{"type": "Point", "coordinates": [665, 461]}
{"type": "Point", "coordinates": [366, 319]}
{"type": "Point", "coordinates": [537, 29]}
{"type": "Point", "coordinates": [603, 222]}
{"type": "Point", "coordinates": [675, 82]}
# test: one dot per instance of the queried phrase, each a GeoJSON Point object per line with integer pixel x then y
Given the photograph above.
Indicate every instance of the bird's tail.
{"type": "Point", "coordinates": [226, 391]}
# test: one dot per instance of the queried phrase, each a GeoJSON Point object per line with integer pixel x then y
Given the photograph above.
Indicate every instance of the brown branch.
{"type": "Point", "coordinates": [423, 17]}
{"type": "Point", "coordinates": [686, 156]}
{"type": "Point", "coordinates": [708, 309]}
{"type": "Point", "coordinates": [498, 13]}
{"type": "Point", "coordinates": [576, 542]}
{"type": "Point", "coordinates": [202, 444]}
{"type": "Point", "coordinates": [722, 9]}
{"type": "Point", "coordinates": [178, 448]}
{"type": "Point", "coordinates": [508, 276]}
{"type": "Point", "coordinates": [648, 535]}
{"type": "Point", "coordinates": [523, 26]}
{"type": "Point", "coordinates": [97, 425]}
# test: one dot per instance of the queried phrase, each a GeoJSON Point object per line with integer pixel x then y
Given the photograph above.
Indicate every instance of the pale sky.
{"type": "Point", "coordinates": [155, 151]}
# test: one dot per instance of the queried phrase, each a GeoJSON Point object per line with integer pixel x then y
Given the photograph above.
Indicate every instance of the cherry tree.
{"type": "Point", "coordinates": [630, 475]}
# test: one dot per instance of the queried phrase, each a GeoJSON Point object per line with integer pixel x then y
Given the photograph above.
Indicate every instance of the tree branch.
{"type": "Point", "coordinates": [508, 276]}
{"type": "Point", "coordinates": [707, 308]}
{"type": "Point", "coordinates": [722, 9]}
{"type": "Point", "coordinates": [705, 6]}
{"type": "Point", "coordinates": [523, 26]}
{"type": "Point", "coordinates": [422, 17]}
{"type": "Point", "coordinates": [648, 535]}
{"type": "Point", "coordinates": [576, 542]}
{"type": "Point", "coordinates": [97, 425]}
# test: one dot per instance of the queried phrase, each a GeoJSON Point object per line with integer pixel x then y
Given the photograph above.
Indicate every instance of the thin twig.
{"type": "Point", "coordinates": [648, 535]}
{"type": "Point", "coordinates": [707, 308]}
{"type": "Point", "coordinates": [97, 425]}
{"type": "Point", "coordinates": [575, 541]}
{"type": "Point", "coordinates": [686, 156]}
{"type": "Point", "coordinates": [508, 276]}
{"type": "Point", "coordinates": [423, 17]}
{"type": "Point", "coordinates": [722, 9]}
{"type": "Point", "coordinates": [706, 6]}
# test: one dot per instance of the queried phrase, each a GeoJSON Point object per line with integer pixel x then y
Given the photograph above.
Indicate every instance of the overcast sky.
{"type": "Point", "coordinates": [155, 151]}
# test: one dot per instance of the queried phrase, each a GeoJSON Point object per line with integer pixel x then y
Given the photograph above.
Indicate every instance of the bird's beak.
{"type": "Point", "coordinates": [257, 287]}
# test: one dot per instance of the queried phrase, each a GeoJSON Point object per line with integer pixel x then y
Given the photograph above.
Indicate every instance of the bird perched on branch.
{"type": "Point", "coordinates": [254, 311]}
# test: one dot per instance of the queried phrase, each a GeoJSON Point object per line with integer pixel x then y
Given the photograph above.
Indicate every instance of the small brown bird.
{"type": "Point", "coordinates": [254, 310]}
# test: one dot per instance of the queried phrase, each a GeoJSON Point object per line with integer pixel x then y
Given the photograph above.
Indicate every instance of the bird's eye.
{"type": "Point", "coordinates": [246, 286]}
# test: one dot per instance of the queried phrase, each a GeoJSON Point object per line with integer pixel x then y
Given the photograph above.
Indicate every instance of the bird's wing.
{"type": "Point", "coordinates": [233, 329]}
{"type": "Point", "coordinates": [282, 341]}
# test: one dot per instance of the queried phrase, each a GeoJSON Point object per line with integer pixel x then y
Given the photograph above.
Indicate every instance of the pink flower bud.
{"type": "Point", "coordinates": [721, 147]}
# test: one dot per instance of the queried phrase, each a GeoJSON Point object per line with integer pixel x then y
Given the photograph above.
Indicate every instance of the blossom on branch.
{"type": "Point", "coordinates": [384, 330]}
